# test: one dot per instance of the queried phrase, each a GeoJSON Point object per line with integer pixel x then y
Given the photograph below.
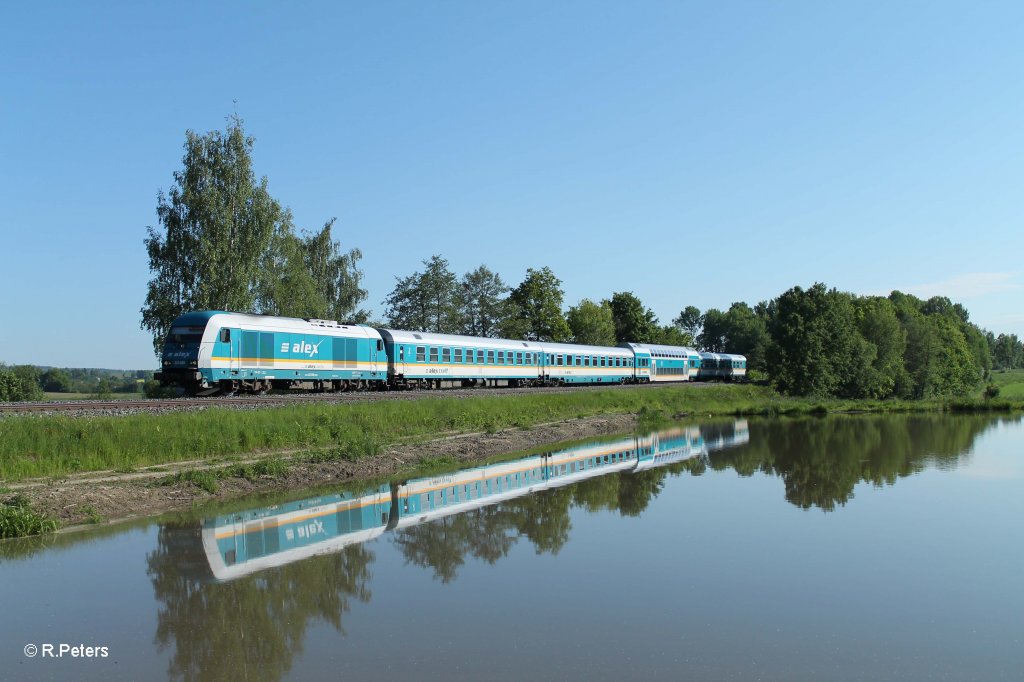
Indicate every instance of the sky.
{"type": "Point", "coordinates": [694, 153]}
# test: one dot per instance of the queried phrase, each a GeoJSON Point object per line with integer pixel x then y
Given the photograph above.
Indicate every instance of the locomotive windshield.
{"type": "Point", "coordinates": [185, 335]}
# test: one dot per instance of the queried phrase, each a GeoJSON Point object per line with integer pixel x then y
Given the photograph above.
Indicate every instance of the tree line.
{"type": "Point", "coordinates": [29, 382]}
{"type": "Point", "coordinates": [224, 243]}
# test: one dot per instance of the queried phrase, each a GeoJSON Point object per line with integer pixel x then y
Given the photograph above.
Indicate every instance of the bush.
{"type": "Point", "coordinates": [991, 391]}
{"type": "Point", "coordinates": [19, 383]}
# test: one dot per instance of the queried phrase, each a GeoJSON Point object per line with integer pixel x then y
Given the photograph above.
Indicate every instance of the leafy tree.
{"type": "Point", "coordinates": [633, 322]}
{"type": "Point", "coordinates": [309, 276]}
{"type": "Point", "coordinates": [1007, 351]}
{"type": "Point", "coordinates": [816, 348]}
{"type": "Point", "coordinates": [591, 323]}
{"type": "Point", "coordinates": [216, 226]}
{"type": "Point", "coordinates": [672, 336]}
{"type": "Point", "coordinates": [535, 309]}
{"type": "Point", "coordinates": [287, 286]}
{"type": "Point", "coordinates": [19, 383]}
{"type": "Point", "coordinates": [746, 334]}
{"type": "Point", "coordinates": [481, 302]}
{"type": "Point", "coordinates": [426, 301]}
{"type": "Point", "coordinates": [714, 331]}
{"type": "Point", "coordinates": [689, 321]}
{"type": "Point", "coordinates": [55, 381]}
{"type": "Point", "coordinates": [336, 275]}
{"type": "Point", "coordinates": [877, 322]}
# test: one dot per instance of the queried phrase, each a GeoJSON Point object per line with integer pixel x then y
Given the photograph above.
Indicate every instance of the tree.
{"type": "Point", "coordinates": [55, 381]}
{"type": "Point", "coordinates": [481, 303]}
{"type": "Point", "coordinates": [591, 323]}
{"type": "Point", "coordinates": [309, 276]}
{"type": "Point", "coordinates": [689, 321]}
{"type": "Point", "coordinates": [216, 226]}
{"type": "Point", "coordinates": [633, 322]}
{"type": "Point", "coordinates": [19, 383]}
{"type": "Point", "coordinates": [336, 275]}
{"type": "Point", "coordinates": [535, 309]}
{"type": "Point", "coordinates": [426, 301]}
{"type": "Point", "coordinates": [672, 336]}
{"type": "Point", "coordinates": [714, 331]}
{"type": "Point", "coordinates": [880, 327]}
{"type": "Point", "coordinates": [816, 347]}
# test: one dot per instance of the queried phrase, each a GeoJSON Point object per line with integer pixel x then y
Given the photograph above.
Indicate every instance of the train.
{"type": "Point", "coordinates": [242, 543]}
{"type": "Point", "coordinates": [211, 352]}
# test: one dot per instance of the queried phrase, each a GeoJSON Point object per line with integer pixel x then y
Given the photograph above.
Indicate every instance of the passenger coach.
{"type": "Point", "coordinates": [424, 359]}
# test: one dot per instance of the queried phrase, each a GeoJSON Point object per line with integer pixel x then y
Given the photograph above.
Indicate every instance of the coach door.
{"type": "Point", "coordinates": [654, 367]}
{"type": "Point", "coordinates": [400, 359]}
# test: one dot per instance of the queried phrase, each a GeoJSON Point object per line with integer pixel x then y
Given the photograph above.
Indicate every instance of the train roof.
{"type": "Point", "coordinates": [401, 336]}
{"type": "Point", "coordinates": [681, 351]}
{"type": "Point", "coordinates": [575, 348]}
{"type": "Point", "coordinates": [274, 323]}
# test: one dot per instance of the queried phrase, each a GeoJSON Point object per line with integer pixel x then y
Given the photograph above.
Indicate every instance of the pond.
{"type": "Point", "coordinates": [840, 548]}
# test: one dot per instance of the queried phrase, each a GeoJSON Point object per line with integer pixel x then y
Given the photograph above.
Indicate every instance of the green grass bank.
{"type": "Point", "coordinates": [55, 446]}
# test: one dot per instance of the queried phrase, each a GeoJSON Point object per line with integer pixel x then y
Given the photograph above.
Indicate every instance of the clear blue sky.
{"type": "Point", "coordinates": [693, 153]}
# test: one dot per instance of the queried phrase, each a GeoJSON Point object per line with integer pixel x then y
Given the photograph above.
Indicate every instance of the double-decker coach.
{"type": "Point", "coordinates": [669, 363]}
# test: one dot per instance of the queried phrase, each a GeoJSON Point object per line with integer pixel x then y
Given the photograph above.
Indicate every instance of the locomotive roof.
{"type": "Point", "coordinates": [274, 323]}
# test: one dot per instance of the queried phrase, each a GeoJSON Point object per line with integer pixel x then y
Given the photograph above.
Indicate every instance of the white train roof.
{"type": "Point", "coordinates": [294, 325]}
{"type": "Point", "coordinates": [657, 347]}
{"type": "Point", "coordinates": [577, 349]}
{"type": "Point", "coordinates": [400, 336]}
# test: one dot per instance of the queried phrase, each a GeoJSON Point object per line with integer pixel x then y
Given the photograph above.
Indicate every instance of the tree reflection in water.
{"type": "Point", "coordinates": [252, 627]}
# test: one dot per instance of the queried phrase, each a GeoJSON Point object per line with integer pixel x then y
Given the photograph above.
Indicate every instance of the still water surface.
{"type": "Point", "coordinates": [846, 548]}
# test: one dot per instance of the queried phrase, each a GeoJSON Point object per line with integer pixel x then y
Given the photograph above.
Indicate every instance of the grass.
{"type": "Point", "coordinates": [208, 479]}
{"type": "Point", "coordinates": [59, 445]}
{"type": "Point", "coordinates": [1010, 383]}
{"type": "Point", "coordinates": [17, 519]}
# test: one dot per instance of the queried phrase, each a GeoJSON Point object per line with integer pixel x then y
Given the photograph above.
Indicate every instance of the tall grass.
{"type": "Point", "coordinates": [17, 519]}
{"type": "Point", "coordinates": [61, 445]}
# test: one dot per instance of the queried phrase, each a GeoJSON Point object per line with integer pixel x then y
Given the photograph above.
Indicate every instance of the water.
{"type": "Point", "coordinates": [847, 548]}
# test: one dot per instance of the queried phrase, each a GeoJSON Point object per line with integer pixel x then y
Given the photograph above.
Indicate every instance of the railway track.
{"type": "Point", "coordinates": [162, 404]}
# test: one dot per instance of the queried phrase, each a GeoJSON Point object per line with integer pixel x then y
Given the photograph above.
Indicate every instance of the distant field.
{"type": "Point", "coordinates": [91, 396]}
{"type": "Point", "coordinates": [1010, 383]}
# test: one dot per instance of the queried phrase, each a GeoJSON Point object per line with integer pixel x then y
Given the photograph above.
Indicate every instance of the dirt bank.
{"type": "Point", "coordinates": [112, 496]}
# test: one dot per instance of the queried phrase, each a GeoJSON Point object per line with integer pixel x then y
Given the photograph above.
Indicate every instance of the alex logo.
{"type": "Point", "coordinates": [300, 348]}
{"type": "Point", "coordinates": [306, 530]}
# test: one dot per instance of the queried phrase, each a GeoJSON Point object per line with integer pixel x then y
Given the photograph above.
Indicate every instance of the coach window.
{"type": "Point", "coordinates": [433, 354]}
{"type": "Point", "coordinates": [519, 358]}
{"type": "Point", "coordinates": [446, 355]}
{"type": "Point", "coordinates": [490, 357]}
{"type": "Point", "coordinates": [421, 354]}
{"type": "Point", "coordinates": [458, 355]}
{"type": "Point", "coordinates": [225, 335]}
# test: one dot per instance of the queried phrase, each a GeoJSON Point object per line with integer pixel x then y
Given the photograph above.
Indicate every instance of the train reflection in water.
{"type": "Point", "coordinates": [241, 543]}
